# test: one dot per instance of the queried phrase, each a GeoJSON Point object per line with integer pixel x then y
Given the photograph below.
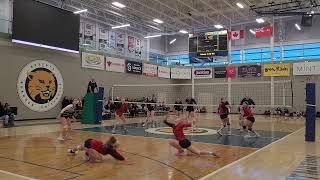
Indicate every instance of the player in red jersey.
{"type": "Point", "coordinates": [122, 107]}
{"type": "Point", "coordinates": [181, 142]}
{"type": "Point", "coordinates": [223, 111]}
{"type": "Point", "coordinates": [249, 119]}
{"type": "Point", "coordinates": [96, 149]}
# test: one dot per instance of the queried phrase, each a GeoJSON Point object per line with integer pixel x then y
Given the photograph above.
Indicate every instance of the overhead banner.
{"type": "Point", "coordinates": [112, 40]}
{"type": "Point", "coordinates": [266, 31]}
{"type": "Point", "coordinates": [164, 72]}
{"type": "Point", "coordinates": [131, 44]}
{"type": "Point", "coordinates": [306, 68]}
{"type": "Point", "coordinates": [220, 72]}
{"type": "Point", "coordinates": [202, 73]}
{"type": "Point", "coordinates": [150, 70]}
{"type": "Point", "coordinates": [115, 64]}
{"type": "Point", "coordinates": [231, 71]}
{"type": "Point", "coordinates": [276, 70]}
{"type": "Point", "coordinates": [180, 73]}
{"type": "Point", "coordinates": [103, 39]}
{"type": "Point", "coordinates": [139, 47]}
{"type": "Point", "coordinates": [133, 67]}
{"type": "Point", "coordinates": [120, 43]}
{"type": "Point", "coordinates": [92, 61]}
{"type": "Point", "coordinates": [249, 71]}
{"type": "Point", "coordinates": [89, 34]}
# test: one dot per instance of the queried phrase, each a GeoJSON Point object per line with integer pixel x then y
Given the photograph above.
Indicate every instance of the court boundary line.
{"type": "Point", "coordinates": [17, 175]}
{"type": "Point", "coordinates": [39, 165]}
{"type": "Point", "coordinates": [181, 171]}
{"type": "Point", "coordinates": [249, 155]}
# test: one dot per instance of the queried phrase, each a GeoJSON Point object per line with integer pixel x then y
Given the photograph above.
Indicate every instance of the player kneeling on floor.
{"type": "Point", "coordinates": [96, 149]}
{"type": "Point", "coordinates": [181, 142]}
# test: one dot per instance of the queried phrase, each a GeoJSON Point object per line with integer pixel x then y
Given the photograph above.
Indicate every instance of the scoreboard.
{"type": "Point", "coordinates": [208, 45]}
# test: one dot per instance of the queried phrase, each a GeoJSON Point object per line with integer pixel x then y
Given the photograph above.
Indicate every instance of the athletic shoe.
{"type": "Point", "coordinates": [71, 151]}
{"type": "Point", "coordinates": [113, 131]}
{"type": "Point", "coordinates": [247, 135]}
{"type": "Point", "coordinates": [60, 138]}
{"type": "Point", "coordinates": [69, 138]}
{"type": "Point", "coordinates": [85, 157]}
{"type": "Point", "coordinates": [143, 124]}
{"type": "Point", "coordinates": [125, 131]}
{"type": "Point", "coordinates": [241, 130]}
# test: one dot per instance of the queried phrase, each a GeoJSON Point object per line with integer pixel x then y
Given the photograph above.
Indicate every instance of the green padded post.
{"type": "Point", "coordinates": [89, 109]}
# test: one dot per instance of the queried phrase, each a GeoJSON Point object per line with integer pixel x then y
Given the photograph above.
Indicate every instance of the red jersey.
{"type": "Point", "coordinates": [98, 146]}
{"type": "Point", "coordinates": [178, 130]}
{"type": "Point", "coordinates": [223, 109]}
{"type": "Point", "coordinates": [247, 112]}
{"type": "Point", "coordinates": [122, 108]}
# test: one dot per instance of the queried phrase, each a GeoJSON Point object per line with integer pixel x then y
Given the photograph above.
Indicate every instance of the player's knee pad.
{"type": "Point", "coordinates": [228, 124]}
{"type": "Point", "coordinates": [244, 127]}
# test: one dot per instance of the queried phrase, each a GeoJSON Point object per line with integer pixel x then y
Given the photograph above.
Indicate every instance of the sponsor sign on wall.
{"type": "Point", "coordinates": [40, 86]}
{"type": "Point", "coordinates": [164, 72]}
{"type": "Point", "coordinates": [249, 71]}
{"type": "Point", "coordinates": [231, 71]}
{"type": "Point", "coordinates": [220, 72]}
{"type": "Point", "coordinates": [115, 64]}
{"type": "Point", "coordinates": [92, 61]}
{"type": "Point", "coordinates": [180, 73]}
{"type": "Point", "coordinates": [150, 70]}
{"type": "Point", "coordinates": [133, 67]}
{"type": "Point", "coordinates": [276, 70]}
{"type": "Point", "coordinates": [306, 68]}
{"type": "Point", "coordinates": [202, 73]}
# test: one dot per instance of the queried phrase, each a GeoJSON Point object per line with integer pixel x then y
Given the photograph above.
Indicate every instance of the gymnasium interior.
{"type": "Point", "coordinates": [241, 77]}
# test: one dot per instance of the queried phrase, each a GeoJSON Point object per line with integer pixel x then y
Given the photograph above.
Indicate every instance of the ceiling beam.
{"type": "Point", "coordinates": [235, 9]}
{"type": "Point", "coordinates": [214, 9]}
{"type": "Point", "coordinates": [196, 10]}
{"type": "Point", "coordinates": [178, 12]}
{"type": "Point", "coordinates": [155, 10]}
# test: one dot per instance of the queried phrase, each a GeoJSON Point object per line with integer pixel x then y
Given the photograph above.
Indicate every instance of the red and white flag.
{"type": "Point", "coordinates": [264, 31]}
{"type": "Point", "coordinates": [235, 35]}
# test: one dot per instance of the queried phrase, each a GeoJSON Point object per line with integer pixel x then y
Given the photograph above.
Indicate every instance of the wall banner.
{"type": "Point", "coordinates": [150, 70]}
{"type": "Point", "coordinates": [115, 64]}
{"type": "Point", "coordinates": [180, 73]}
{"type": "Point", "coordinates": [133, 67]}
{"type": "Point", "coordinates": [249, 71]}
{"type": "Point", "coordinates": [164, 72]}
{"type": "Point", "coordinates": [92, 61]}
{"type": "Point", "coordinates": [276, 70]}
{"type": "Point", "coordinates": [306, 68]}
{"type": "Point", "coordinates": [202, 73]}
{"type": "Point", "coordinates": [220, 72]}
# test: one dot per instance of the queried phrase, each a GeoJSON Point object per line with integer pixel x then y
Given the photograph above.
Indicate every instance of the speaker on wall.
{"type": "Point", "coordinates": [306, 21]}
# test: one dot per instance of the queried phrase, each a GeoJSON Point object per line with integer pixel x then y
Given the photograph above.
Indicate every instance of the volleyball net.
{"type": "Point", "coordinates": [266, 94]}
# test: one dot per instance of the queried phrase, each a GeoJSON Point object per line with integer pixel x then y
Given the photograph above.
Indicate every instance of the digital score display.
{"type": "Point", "coordinates": [212, 43]}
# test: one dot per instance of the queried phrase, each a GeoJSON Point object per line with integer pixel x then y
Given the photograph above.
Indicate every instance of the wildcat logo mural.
{"type": "Point", "coordinates": [40, 86]}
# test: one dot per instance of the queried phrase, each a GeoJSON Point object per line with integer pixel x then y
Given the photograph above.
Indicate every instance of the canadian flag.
{"type": "Point", "coordinates": [235, 35]}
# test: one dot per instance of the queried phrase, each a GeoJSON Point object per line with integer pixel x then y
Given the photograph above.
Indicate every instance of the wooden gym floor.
{"type": "Point", "coordinates": [32, 152]}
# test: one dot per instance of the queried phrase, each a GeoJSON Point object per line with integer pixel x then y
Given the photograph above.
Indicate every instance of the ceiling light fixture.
{"type": "Point", "coordinates": [81, 11]}
{"type": "Point", "coordinates": [218, 26]}
{"type": "Point", "coordinates": [153, 36]}
{"type": "Point", "coordinates": [121, 26]}
{"type": "Point", "coordinates": [183, 31]}
{"type": "Point", "coordinates": [119, 5]}
{"type": "Point", "coordinates": [260, 20]}
{"type": "Point", "coordinates": [158, 21]}
{"type": "Point", "coordinates": [172, 41]}
{"type": "Point", "coordinates": [240, 5]}
{"type": "Point", "coordinates": [298, 27]}
{"type": "Point", "coordinates": [252, 31]}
